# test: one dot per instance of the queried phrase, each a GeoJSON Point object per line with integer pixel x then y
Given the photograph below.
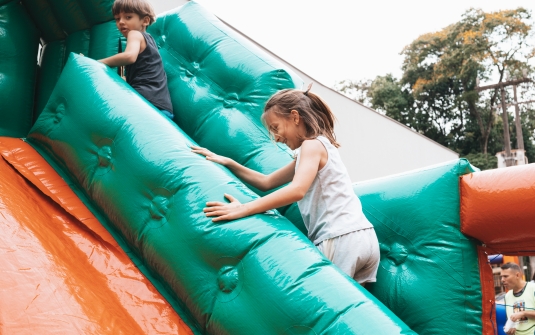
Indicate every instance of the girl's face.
{"type": "Point", "coordinates": [288, 130]}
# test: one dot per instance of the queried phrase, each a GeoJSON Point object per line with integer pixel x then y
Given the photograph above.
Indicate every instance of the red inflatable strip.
{"type": "Point", "coordinates": [61, 272]}
{"type": "Point", "coordinates": [498, 208]}
{"type": "Point", "coordinates": [488, 315]}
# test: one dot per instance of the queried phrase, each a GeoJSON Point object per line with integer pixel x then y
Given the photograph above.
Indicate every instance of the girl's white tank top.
{"type": "Point", "coordinates": [330, 208]}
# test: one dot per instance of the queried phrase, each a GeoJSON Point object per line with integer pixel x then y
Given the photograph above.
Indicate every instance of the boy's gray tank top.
{"type": "Point", "coordinates": [148, 77]}
{"type": "Point", "coordinates": [330, 207]}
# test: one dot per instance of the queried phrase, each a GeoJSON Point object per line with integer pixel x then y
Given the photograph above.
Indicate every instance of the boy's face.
{"type": "Point", "coordinates": [130, 21]}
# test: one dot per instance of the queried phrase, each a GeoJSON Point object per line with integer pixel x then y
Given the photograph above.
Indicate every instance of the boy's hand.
{"type": "Point", "coordinates": [225, 211]}
{"type": "Point", "coordinates": [210, 155]}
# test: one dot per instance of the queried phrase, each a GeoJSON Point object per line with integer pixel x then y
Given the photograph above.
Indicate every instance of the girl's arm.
{"type": "Point", "coordinates": [312, 153]}
{"type": "Point", "coordinates": [256, 179]}
{"type": "Point", "coordinates": [129, 56]}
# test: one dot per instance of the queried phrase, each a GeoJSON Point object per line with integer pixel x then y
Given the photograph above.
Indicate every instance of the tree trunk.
{"type": "Point", "coordinates": [483, 128]}
{"type": "Point", "coordinates": [506, 136]}
{"type": "Point", "coordinates": [518, 124]}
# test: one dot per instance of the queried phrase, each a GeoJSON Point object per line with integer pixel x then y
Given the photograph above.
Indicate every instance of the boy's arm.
{"type": "Point", "coordinates": [129, 56]}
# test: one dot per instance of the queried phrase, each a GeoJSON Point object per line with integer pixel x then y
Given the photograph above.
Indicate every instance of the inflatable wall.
{"type": "Point", "coordinates": [429, 273]}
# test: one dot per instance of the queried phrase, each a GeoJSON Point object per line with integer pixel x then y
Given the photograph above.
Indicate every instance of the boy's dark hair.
{"type": "Point", "coordinates": [512, 266]}
{"type": "Point", "coordinates": [316, 115]}
{"type": "Point", "coordinates": [140, 7]}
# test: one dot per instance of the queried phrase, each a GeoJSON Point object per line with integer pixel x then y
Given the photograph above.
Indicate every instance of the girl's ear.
{"type": "Point", "coordinates": [295, 116]}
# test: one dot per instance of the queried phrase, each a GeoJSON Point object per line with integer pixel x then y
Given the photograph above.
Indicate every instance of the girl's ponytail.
{"type": "Point", "coordinates": [326, 115]}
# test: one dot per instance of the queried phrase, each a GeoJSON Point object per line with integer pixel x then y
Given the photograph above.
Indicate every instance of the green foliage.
{"type": "Point", "coordinates": [482, 161]}
{"type": "Point", "coordinates": [528, 132]}
{"type": "Point", "coordinates": [437, 94]}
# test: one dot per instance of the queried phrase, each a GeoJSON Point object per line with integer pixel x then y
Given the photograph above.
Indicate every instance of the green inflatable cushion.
{"type": "Point", "coordinates": [19, 42]}
{"type": "Point", "coordinates": [429, 274]}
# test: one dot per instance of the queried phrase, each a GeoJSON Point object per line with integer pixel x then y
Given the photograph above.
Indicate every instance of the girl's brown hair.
{"type": "Point", "coordinates": [316, 115]}
{"type": "Point", "coordinates": [140, 7]}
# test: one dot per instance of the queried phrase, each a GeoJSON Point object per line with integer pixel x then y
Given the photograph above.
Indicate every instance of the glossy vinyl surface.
{"type": "Point", "coordinates": [428, 275]}
{"type": "Point", "coordinates": [497, 208]}
{"type": "Point", "coordinates": [104, 40]}
{"type": "Point", "coordinates": [19, 41]}
{"type": "Point", "coordinates": [61, 272]}
{"type": "Point", "coordinates": [219, 83]}
{"type": "Point", "coordinates": [101, 41]}
{"type": "Point", "coordinates": [58, 18]}
{"type": "Point", "coordinates": [78, 43]}
{"type": "Point", "coordinates": [52, 60]}
{"type": "Point", "coordinates": [97, 11]}
{"type": "Point", "coordinates": [257, 275]}
{"type": "Point", "coordinates": [70, 15]}
{"type": "Point", "coordinates": [44, 18]}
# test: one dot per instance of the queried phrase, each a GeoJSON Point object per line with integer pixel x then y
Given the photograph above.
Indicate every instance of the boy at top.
{"type": "Point", "coordinates": [144, 67]}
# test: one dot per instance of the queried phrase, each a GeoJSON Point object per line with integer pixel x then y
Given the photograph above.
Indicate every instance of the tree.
{"type": "Point", "coordinates": [437, 93]}
{"type": "Point", "coordinates": [444, 68]}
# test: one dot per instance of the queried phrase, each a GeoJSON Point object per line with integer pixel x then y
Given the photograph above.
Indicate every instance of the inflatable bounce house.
{"type": "Point", "coordinates": [101, 222]}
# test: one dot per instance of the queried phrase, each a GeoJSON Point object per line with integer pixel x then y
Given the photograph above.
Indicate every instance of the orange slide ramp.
{"type": "Point", "coordinates": [61, 272]}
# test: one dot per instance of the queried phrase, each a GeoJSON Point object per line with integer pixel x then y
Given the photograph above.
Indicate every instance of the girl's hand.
{"type": "Point", "coordinates": [210, 155]}
{"type": "Point", "coordinates": [225, 211]}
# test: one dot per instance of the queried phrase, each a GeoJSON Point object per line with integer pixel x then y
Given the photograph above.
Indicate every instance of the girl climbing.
{"type": "Point", "coordinates": [317, 179]}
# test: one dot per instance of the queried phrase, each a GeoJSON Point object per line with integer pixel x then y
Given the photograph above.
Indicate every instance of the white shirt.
{"type": "Point", "coordinates": [330, 207]}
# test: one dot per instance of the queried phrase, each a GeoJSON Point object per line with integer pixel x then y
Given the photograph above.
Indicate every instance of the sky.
{"type": "Point", "coordinates": [344, 39]}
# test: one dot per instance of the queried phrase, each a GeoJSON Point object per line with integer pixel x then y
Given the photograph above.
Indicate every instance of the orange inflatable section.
{"type": "Point", "coordinates": [498, 208]}
{"type": "Point", "coordinates": [61, 272]}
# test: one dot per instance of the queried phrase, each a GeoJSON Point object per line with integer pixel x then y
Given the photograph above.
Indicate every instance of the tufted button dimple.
{"type": "Point", "coordinates": [227, 279]}
{"type": "Point", "coordinates": [398, 253]}
{"type": "Point", "coordinates": [159, 207]}
{"type": "Point", "coordinates": [230, 100]}
{"type": "Point", "coordinates": [104, 156]}
{"type": "Point", "coordinates": [160, 41]}
{"type": "Point", "coordinates": [60, 112]}
{"type": "Point", "coordinates": [193, 70]}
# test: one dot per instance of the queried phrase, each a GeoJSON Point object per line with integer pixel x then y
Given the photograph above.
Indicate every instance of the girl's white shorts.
{"type": "Point", "coordinates": [356, 253]}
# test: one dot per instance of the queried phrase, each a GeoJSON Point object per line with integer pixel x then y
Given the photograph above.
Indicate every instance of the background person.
{"type": "Point", "coordinates": [519, 300]}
